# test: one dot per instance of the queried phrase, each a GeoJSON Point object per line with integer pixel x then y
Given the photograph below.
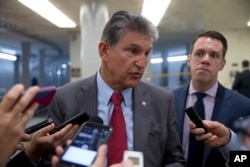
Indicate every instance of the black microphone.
{"type": "Point", "coordinates": [95, 119]}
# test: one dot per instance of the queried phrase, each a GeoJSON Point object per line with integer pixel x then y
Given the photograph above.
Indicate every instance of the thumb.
{"type": "Point", "coordinates": [101, 156]}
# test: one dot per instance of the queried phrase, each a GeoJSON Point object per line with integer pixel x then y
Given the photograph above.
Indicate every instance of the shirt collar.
{"type": "Point", "coordinates": [105, 91]}
{"type": "Point", "coordinates": [211, 92]}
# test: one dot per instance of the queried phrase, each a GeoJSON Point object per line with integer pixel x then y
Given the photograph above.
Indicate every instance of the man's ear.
{"type": "Point", "coordinates": [223, 63]}
{"type": "Point", "coordinates": [103, 50]}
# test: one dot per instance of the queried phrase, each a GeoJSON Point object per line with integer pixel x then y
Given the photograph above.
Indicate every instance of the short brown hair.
{"type": "Point", "coordinates": [214, 35]}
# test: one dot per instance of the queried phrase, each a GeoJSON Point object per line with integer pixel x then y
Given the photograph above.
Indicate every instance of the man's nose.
{"type": "Point", "coordinates": [141, 61]}
{"type": "Point", "coordinates": [206, 58]}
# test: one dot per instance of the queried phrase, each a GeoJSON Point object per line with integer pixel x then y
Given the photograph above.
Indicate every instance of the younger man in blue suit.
{"type": "Point", "coordinates": [206, 59]}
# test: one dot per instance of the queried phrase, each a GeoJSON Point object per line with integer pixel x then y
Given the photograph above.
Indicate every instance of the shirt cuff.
{"type": "Point", "coordinates": [234, 144]}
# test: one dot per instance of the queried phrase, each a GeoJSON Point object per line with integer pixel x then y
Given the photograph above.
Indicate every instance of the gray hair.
{"type": "Point", "coordinates": [125, 20]}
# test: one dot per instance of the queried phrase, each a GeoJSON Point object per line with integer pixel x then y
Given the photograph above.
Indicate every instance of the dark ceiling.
{"type": "Point", "coordinates": [183, 17]}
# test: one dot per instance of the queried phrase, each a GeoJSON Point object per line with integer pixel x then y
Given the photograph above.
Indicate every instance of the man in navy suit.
{"type": "Point", "coordinates": [242, 80]}
{"type": "Point", "coordinates": [221, 105]}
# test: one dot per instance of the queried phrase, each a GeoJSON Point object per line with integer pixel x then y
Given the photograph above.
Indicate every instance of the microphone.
{"type": "Point", "coordinates": [95, 119]}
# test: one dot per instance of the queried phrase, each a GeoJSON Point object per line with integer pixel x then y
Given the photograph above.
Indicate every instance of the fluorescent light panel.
{"type": "Point", "coordinates": [8, 51]}
{"type": "Point", "coordinates": [156, 60]}
{"type": "Point", "coordinates": [49, 12]}
{"type": "Point", "coordinates": [177, 58]}
{"type": "Point", "coordinates": [154, 10]}
{"type": "Point", "coordinates": [7, 57]}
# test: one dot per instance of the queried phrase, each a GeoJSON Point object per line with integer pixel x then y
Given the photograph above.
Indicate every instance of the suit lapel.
{"type": "Point", "coordinates": [222, 105]}
{"type": "Point", "coordinates": [180, 98]}
{"type": "Point", "coordinates": [87, 97]}
{"type": "Point", "coordinates": [222, 108]}
{"type": "Point", "coordinates": [141, 116]}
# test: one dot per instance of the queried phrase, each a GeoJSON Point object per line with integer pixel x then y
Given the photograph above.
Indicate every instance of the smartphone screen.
{"type": "Point", "coordinates": [83, 149]}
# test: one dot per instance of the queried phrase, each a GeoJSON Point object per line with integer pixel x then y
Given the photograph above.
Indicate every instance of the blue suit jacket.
{"type": "Point", "coordinates": [229, 106]}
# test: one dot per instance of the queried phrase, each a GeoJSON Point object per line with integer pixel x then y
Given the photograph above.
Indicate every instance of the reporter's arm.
{"type": "Point", "coordinates": [14, 115]}
{"type": "Point", "coordinates": [218, 136]}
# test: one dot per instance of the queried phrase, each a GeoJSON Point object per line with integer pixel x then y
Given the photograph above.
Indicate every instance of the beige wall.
{"type": "Point", "coordinates": [238, 50]}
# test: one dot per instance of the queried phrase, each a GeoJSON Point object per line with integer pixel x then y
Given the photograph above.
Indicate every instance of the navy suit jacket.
{"type": "Point", "coordinates": [229, 106]}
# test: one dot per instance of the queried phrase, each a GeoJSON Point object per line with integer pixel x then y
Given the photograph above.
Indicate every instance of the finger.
{"type": "Point", "coordinates": [25, 137]}
{"type": "Point", "coordinates": [203, 137]}
{"type": "Point", "coordinates": [54, 161]}
{"type": "Point", "coordinates": [197, 131]}
{"type": "Point", "coordinates": [101, 156]}
{"type": "Point", "coordinates": [192, 125]}
{"type": "Point", "coordinates": [211, 139]}
{"type": "Point", "coordinates": [20, 146]}
{"type": "Point", "coordinates": [25, 100]}
{"type": "Point", "coordinates": [73, 131]}
{"type": "Point", "coordinates": [61, 136]}
{"type": "Point", "coordinates": [59, 151]}
{"type": "Point", "coordinates": [65, 134]}
{"type": "Point", "coordinates": [11, 97]}
{"type": "Point", "coordinates": [44, 131]}
{"type": "Point", "coordinates": [127, 163]}
{"type": "Point", "coordinates": [211, 125]}
{"type": "Point", "coordinates": [28, 114]}
{"type": "Point", "coordinates": [68, 142]}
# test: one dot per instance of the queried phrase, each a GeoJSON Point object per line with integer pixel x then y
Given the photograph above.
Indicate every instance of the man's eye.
{"type": "Point", "coordinates": [134, 51]}
{"type": "Point", "coordinates": [199, 54]}
{"type": "Point", "coordinates": [147, 53]}
{"type": "Point", "coordinates": [214, 55]}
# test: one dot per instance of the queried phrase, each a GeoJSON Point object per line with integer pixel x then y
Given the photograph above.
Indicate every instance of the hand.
{"type": "Point", "coordinates": [125, 163]}
{"type": "Point", "coordinates": [217, 136]}
{"type": "Point", "coordinates": [99, 162]}
{"type": "Point", "coordinates": [25, 138]}
{"type": "Point", "coordinates": [15, 112]}
{"type": "Point", "coordinates": [43, 142]}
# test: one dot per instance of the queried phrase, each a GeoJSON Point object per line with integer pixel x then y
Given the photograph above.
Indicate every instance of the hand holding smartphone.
{"type": "Point", "coordinates": [38, 126]}
{"type": "Point", "coordinates": [44, 96]}
{"type": "Point", "coordinates": [194, 117]}
{"type": "Point", "coordinates": [83, 148]}
{"type": "Point", "coordinates": [77, 119]}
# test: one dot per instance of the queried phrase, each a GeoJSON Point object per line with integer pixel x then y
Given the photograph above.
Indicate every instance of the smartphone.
{"type": "Point", "coordinates": [44, 96]}
{"type": "Point", "coordinates": [77, 119]}
{"type": "Point", "coordinates": [83, 149]}
{"type": "Point", "coordinates": [135, 156]}
{"type": "Point", "coordinates": [38, 126]}
{"type": "Point", "coordinates": [194, 117]}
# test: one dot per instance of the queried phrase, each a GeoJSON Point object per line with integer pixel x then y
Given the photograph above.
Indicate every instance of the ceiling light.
{"type": "Point", "coordinates": [49, 12]}
{"type": "Point", "coordinates": [177, 58]}
{"type": "Point", "coordinates": [248, 23]}
{"type": "Point", "coordinates": [7, 56]}
{"type": "Point", "coordinates": [64, 65]}
{"type": "Point", "coordinates": [154, 10]}
{"type": "Point", "coordinates": [8, 51]}
{"type": "Point", "coordinates": [156, 60]}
